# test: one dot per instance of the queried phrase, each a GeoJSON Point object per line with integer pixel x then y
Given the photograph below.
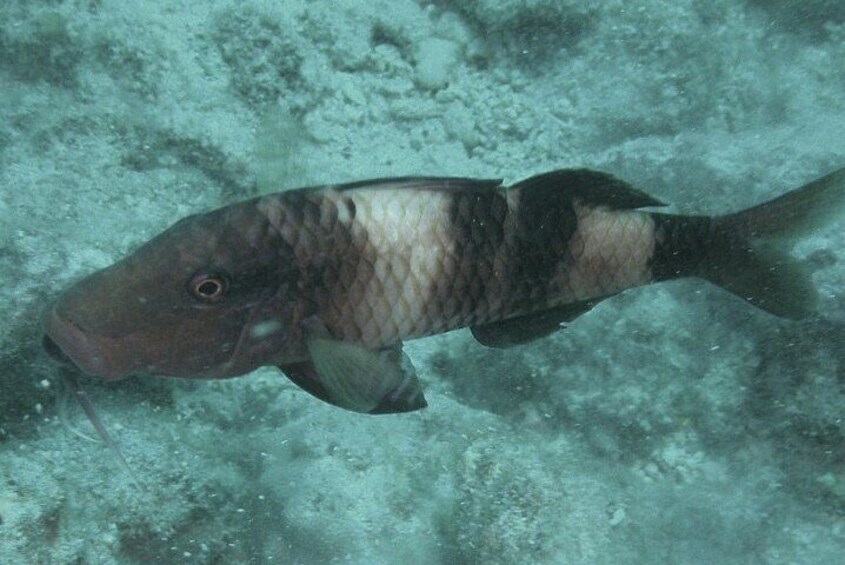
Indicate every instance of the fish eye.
{"type": "Point", "coordinates": [208, 287]}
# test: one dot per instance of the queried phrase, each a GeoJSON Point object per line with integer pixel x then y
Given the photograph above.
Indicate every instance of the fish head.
{"type": "Point", "coordinates": [207, 298]}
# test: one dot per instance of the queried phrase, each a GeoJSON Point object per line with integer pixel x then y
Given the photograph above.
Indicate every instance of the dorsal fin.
{"type": "Point", "coordinates": [590, 187]}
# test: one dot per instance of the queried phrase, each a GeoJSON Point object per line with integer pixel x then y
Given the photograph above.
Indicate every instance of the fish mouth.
{"type": "Point", "coordinates": [68, 344]}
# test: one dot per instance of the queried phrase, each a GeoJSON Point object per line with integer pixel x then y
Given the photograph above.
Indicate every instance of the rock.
{"type": "Point", "coordinates": [436, 60]}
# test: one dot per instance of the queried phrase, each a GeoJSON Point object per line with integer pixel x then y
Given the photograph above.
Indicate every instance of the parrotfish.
{"type": "Point", "coordinates": [326, 282]}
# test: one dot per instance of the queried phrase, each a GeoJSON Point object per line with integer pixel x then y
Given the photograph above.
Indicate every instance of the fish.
{"type": "Point", "coordinates": [327, 282]}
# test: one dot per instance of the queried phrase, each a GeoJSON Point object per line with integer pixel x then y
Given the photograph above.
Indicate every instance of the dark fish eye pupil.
{"type": "Point", "coordinates": [209, 288]}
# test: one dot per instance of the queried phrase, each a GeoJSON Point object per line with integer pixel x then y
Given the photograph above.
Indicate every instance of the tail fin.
{"type": "Point", "coordinates": [746, 252]}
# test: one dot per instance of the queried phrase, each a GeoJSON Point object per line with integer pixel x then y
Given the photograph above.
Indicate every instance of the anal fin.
{"type": "Point", "coordinates": [524, 329]}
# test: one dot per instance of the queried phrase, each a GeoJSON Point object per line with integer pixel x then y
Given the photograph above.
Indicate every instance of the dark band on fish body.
{"type": "Point", "coordinates": [347, 270]}
{"type": "Point", "coordinates": [546, 221]}
{"type": "Point", "coordinates": [682, 244]}
{"type": "Point", "coordinates": [330, 256]}
{"type": "Point", "coordinates": [477, 218]}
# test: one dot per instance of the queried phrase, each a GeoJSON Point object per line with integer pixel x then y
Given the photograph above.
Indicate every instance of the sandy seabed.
{"type": "Point", "coordinates": [673, 424]}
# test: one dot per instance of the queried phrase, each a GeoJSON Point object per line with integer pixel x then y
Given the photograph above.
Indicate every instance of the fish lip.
{"type": "Point", "coordinates": [75, 345]}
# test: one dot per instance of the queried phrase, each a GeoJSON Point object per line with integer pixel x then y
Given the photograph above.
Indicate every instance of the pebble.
{"type": "Point", "coordinates": [436, 58]}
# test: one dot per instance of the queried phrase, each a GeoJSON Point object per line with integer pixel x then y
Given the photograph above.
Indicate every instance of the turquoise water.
{"type": "Point", "coordinates": [672, 424]}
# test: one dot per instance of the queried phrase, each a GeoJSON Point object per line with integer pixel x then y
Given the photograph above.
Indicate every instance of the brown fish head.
{"type": "Point", "coordinates": [207, 298]}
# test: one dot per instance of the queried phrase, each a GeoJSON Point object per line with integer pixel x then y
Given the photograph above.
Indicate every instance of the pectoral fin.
{"type": "Point", "coordinates": [358, 379]}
